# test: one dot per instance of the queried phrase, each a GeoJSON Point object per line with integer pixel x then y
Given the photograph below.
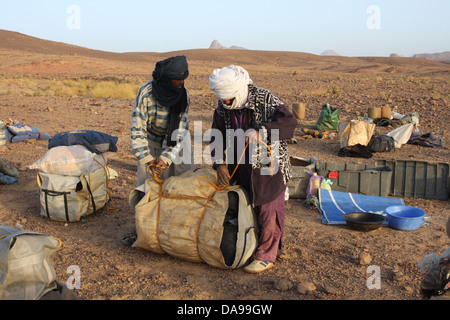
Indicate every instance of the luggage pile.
{"type": "Point", "coordinates": [73, 175]}
{"type": "Point", "coordinates": [190, 218]}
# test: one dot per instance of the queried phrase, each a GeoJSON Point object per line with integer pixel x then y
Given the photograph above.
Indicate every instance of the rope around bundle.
{"type": "Point", "coordinates": [57, 239]}
{"type": "Point", "coordinates": [108, 191]}
{"type": "Point", "coordinates": [208, 199]}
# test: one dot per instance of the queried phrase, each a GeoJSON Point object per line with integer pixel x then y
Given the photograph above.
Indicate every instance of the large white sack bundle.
{"type": "Point", "coordinates": [188, 217]}
{"type": "Point", "coordinates": [70, 198]}
{"type": "Point", "coordinates": [26, 264]}
{"type": "Point", "coordinates": [73, 160]}
{"type": "Point", "coordinates": [401, 134]}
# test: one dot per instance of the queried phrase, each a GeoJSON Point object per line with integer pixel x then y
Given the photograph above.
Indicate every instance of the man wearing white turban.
{"type": "Point", "coordinates": [231, 83]}
{"type": "Point", "coordinates": [258, 114]}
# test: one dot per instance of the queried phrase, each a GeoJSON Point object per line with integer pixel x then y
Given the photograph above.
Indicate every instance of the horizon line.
{"type": "Point", "coordinates": [238, 48]}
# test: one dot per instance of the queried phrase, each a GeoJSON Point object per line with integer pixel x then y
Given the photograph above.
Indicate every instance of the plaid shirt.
{"type": "Point", "coordinates": [149, 121]}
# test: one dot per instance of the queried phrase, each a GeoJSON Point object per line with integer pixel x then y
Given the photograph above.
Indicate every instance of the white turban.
{"type": "Point", "coordinates": [231, 82]}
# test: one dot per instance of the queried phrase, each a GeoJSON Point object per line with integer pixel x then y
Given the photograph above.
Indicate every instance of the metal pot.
{"type": "Point", "coordinates": [364, 221]}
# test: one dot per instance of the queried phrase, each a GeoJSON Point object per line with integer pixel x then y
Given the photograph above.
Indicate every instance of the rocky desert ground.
{"type": "Point", "coordinates": [325, 258]}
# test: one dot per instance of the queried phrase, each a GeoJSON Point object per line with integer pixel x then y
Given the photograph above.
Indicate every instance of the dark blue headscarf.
{"type": "Point", "coordinates": [163, 90]}
{"type": "Point", "coordinates": [166, 94]}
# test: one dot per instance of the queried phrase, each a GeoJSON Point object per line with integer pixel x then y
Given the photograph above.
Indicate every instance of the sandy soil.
{"type": "Point", "coordinates": [327, 256]}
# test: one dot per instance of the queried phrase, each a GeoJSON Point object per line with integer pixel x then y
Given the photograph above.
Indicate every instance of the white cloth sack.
{"type": "Point", "coordinates": [26, 264]}
{"type": "Point", "coordinates": [75, 160]}
{"type": "Point", "coordinates": [175, 218]}
{"type": "Point", "coordinates": [401, 134]}
{"type": "Point", "coordinates": [69, 198]}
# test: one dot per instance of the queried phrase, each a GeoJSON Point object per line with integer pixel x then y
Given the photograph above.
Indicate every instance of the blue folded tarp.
{"type": "Point", "coordinates": [333, 204]}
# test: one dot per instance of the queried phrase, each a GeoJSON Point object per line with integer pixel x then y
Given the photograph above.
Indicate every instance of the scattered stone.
{"type": "Point", "coordinates": [258, 292]}
{"type": "Point", "coordinates": [306, 287]}
{"type": "Point", "coordinates": [283, 285]}
{"type": "Point", "coordinates": [365, 259]}
{"type": "Point", "coordinates": [408, 289]}
{"type": "Point", "coordinates": [399, 277]}
{"type": "Point", "coordinates": [330, 290]}
{"type": "Point", "coordinates": [331, 135]}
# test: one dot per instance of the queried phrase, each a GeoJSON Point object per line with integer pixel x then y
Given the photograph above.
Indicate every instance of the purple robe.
{"type": "Point", "coordinates": [266, 192]}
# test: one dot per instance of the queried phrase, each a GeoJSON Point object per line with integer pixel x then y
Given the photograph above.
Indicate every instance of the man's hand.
{"type": "Point", "coordinates": [157, 169]}
{"type": "Point", "coordinates": [223, 176]}
{"type": "Point", "coordinates": [151, 166]}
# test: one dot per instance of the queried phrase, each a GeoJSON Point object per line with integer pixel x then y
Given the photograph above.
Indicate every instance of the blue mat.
{"type": "Point", "coordinates": [333, 204]}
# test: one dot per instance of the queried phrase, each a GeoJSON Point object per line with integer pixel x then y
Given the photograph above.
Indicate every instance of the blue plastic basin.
{"type": "Point", "coordinates": [404, 218]}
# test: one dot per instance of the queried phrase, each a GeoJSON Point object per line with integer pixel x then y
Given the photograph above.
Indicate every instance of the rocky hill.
{"type": "Point", "coordinates": [330, 53]}
{"type": "Point", "coordinates": [443, 56]}
{"type": "Point", "coordinates": [216, 45]}
{"type": "Point", "coordinates": [30, 55]}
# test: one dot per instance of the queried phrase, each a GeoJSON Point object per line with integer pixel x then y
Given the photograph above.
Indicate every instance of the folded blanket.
{"type": "Point", "coordinates": [22, 129]}
{"type": "Point", "coordinates": [429, 139]}
{"type": "Point", "coordinates": [5, 179]}
{"type": "Point", "coordinates": [97, 142]}
{"type": "Point", "coordinates": [21, 132]}
{"type": "Point", "coordinates": [355, 151]}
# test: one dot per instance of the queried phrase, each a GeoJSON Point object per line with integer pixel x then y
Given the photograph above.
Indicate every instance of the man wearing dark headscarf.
{"type": "Point", "coordinates": [159, 120]}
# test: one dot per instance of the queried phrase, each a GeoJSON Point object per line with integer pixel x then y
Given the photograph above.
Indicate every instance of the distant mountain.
{"type": "Point", "coordinates": [443, 56]}
{"type": "Point", "coordinates": [11, 40]}
{"type": "Point", "coordinates": [45, 55]}
{"type": "Point", "coordinates": [329, 53]}
{"type": "Point", "coordinates": [216, 45]}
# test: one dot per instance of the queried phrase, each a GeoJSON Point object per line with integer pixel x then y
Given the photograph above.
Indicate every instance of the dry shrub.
{"type": "Point", "coordinates": [69, 87]}
{"type": "Point", "coordinates": [114, 89]}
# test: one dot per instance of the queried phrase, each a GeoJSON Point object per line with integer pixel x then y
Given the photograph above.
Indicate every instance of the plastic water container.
{"type": "Point", "coordinates": [405, 218]}
{"type": "Point", "coordinates": [315, 183]}
{"type": "Point", "coordinates": [299, 110]}
{"type": "Point", "coordinates": [374, 113]}
{"type": "Point", "coordinates": [386, 112]}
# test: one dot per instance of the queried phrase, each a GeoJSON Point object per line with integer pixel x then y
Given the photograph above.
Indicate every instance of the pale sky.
{"type": "Point", "coordinates": [349, 27]}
